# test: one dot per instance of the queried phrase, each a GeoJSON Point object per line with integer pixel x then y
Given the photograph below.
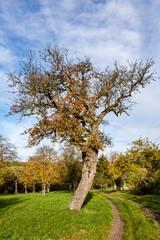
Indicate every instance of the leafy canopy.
{"type": "Point", "coordinates": [70, 98]}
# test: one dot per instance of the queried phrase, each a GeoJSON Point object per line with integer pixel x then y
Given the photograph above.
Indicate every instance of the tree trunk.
{"type": "Point", "coordinates": [5, 191]}
{"type": "Point", "coordinates": [25, 188]}
{"type": "Point", "coordinates": [34, 187]}
{"type": "Point", "coordinates": [88, 173]}
{"type": "Point", "coordinates": [118, 188]}
{"type": "Point", "coordinates": [43, 188]}
{"type": "Point", "coordinates": [48, 188]}
{"type": "Point", "coordinates": [16, 187]}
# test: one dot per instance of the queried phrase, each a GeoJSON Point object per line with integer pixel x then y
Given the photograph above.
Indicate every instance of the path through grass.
{"type": "Point", "coordinates": [138, 225]}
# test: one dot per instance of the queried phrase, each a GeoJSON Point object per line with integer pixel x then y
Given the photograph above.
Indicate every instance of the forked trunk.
{"type": "Point", "coordinates": [88, 173]}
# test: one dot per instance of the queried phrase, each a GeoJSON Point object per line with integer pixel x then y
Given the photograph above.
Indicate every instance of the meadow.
{"type": "Point", "coordinates": [34, 216]}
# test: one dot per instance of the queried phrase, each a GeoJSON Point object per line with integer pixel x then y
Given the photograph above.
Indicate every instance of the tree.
{"type": "Point", "coordinates": [27, 177]}
{"type": "Point", "coordinates": [70, 99]}
{"type": "Point", "coordinates": [40, 168]}
{"type": "Point", "coordinates": [7, 154]}
{"type": "Point", "coordinates": [119, 166]}
{"type": "Point", "coordinates": [47, 168]}
{"type": "Point", "coordinates": [144, 156]}
{"type": "Point", "coordinates": [7, 151]}
{"type": "Point", "coordinates": [102, 176]}
{"type": "Point", "coordinates": [70, 167]}
{"type": "Point", "coordinates": [46, 153]}
{"type": "Point", "coordinates": [11, 176]}
{"type": "Point", "coordinates": [145, 153]}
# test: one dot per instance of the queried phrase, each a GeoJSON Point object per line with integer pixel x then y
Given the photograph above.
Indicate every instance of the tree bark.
{"type": "Point", "coordinates": [118, 188]}
{"type": "Point", "coordinates": [34, 187]}
{"type": "Point", "coordinates": [48, 188]}
{"type": "Point", "coordinates": [16, 187]}
{"type": "Point", "coordinates": [5, 191]}
{"type": "Point", "coordinates": [43, 188]}
{"type": "Point", "coordinates": [25, 188]}
{"type": "Point", "coordinates": [88, 173]}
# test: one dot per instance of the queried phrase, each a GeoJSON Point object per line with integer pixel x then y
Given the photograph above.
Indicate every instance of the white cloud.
{"type": "Point", "coordinates": [14, 134]}
{"type": "Point", "coordinates": [6, 55]}
{"type": "Point", "coordinates": [77, 23]}
{"type": "Point", "coordinates": [104, 31]}
{"type": "Point", "coordinates": [4, 95]}
{"type": "Point", "coordinates": [142, 122]}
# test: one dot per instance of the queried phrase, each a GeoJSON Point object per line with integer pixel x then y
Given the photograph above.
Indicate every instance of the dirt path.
{"type": "Point", "coordinates": [152, 214]}
{"type": "Point", "coordinates": [117, 224]}
{"type": "Point", "coordinates": [148, 211]}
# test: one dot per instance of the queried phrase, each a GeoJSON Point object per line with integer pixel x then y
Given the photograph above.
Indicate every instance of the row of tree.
{"type": "Point", "coordinates": [138, 167]}
{"type": "Point", "coordinates": [42, 171]}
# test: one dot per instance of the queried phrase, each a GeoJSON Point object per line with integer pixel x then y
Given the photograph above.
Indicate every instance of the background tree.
{"type": "Point", "coordinates": [11, 177]}
{"type": "Point", "coordinates": [119, 167]}
{"type": "Point", "coordinates": [28, 177]}
{"type": "Point", "coordinates": [7, 151]}
{"type": "Point", "coordinates": [70, 99]}
{"type": "Point", "coordinates": [7, 154]}
{"type": "Point", "coordinates": [47, 168]}
{"type": "Point", "coordinates": [102, 177]}
{"type": "Point", "coordinates": [46, 153]}
{"type": "Point", "coordinates": [70, 167]}
{"type": "Point", "coordinates": [40, 168]}
{"type": "Point", "coordinates": [145, 158]}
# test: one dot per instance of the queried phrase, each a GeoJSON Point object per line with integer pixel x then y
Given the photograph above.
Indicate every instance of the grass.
{"type": "Point", "coordinates": [138, 225]}
{"type": "Point", "coordinates": [151, 201]}
{"type": "Point", "coordinates": [35, 217]}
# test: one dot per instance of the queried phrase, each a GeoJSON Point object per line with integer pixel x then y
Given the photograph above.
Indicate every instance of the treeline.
{"type": "Point", "coordinates": [137, 169]}
{"type": "Point", "coordinates": [44, 171]}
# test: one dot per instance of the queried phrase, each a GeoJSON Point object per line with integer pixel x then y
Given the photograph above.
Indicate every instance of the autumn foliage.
{"type": "Point", "coordinates": [138, 165]}
{"type": "Point", "coordinates": [70, 99]}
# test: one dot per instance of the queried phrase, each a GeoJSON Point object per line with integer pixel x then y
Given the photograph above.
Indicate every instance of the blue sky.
{"type": "Point", "coordinates": [105, 31]}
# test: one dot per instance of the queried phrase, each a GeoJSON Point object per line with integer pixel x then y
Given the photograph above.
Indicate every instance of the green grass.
{"type": "Point", "coordinates": [138, 225]}
{"type": "Point", "coordinates": [35, 217]}
{"type": "Point", "coordinates": [151, 201]}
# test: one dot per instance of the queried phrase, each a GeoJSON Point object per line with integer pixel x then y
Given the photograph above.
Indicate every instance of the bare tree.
{"type": "Point", "coordinates": [7, 150]}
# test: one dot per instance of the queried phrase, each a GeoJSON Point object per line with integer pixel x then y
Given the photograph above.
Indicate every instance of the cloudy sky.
{"type": "Point", "coordinates": [104, 30]}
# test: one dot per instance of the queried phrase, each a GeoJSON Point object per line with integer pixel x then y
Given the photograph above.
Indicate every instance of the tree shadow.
{"type": "Point", "coordinates": [108, 191]}
{"type": "Point", "coordinates": [6, 203]}
{"type": "Point", "coordinates": [88, 198]}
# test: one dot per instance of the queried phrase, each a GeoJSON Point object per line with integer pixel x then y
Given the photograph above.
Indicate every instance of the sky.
{"type": "Point", "coordinates": [105, 31]}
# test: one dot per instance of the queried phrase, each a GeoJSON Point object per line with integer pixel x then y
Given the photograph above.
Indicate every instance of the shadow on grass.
{"type": "Point", "coordinates": [105, 191]}
{"type": "Point", "coordinates": [6, 203]}
{"type": "Point", "coordinates": [88, 198]}
{"type": "Point", "coordinates": [151, 201]}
